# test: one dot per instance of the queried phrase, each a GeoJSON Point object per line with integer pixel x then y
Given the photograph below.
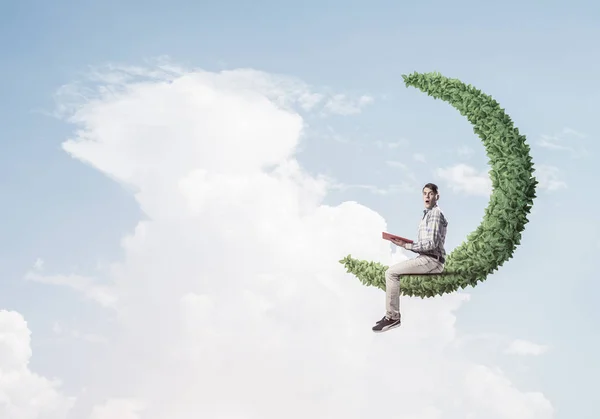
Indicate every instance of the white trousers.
{"type": "Point", "coordinates": [419, 265]}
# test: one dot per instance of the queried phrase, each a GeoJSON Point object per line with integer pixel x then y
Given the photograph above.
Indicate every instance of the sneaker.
{"type": "Point", "coordinates": [384, 318]}
{"type": "Point", "coordinates": [385, 324]}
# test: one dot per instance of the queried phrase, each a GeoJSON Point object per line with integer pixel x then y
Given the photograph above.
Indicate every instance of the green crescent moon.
{"type": "Point", "coordinates": [514, 187]}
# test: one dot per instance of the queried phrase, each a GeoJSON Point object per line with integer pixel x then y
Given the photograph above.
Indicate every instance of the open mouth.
{"type": "Point", "coordinates": [427, 201]}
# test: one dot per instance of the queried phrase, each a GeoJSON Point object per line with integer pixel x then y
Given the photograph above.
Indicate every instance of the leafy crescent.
{"type": "Point", "coordinates": [513, 191]}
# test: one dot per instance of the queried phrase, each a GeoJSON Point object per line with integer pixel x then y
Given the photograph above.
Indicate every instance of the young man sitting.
{"type": "Point", "coordinates": [431, 256]}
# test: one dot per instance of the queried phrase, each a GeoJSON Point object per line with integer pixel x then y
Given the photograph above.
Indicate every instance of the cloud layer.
{"type": "Point", "coordinates": [23, 393]}
{"type": "Point", "coordinates": [229, 300]}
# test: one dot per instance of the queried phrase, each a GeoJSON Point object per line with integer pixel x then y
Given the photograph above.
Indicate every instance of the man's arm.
{"type": "Point", "coordinates": [432, 235]}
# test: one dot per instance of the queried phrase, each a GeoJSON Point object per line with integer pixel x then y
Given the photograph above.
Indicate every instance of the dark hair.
{"type": "Point", "coordinates": [431, 186]}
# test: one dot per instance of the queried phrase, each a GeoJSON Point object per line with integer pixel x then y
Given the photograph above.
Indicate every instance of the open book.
{"type": "Point", "coordinates": [388, 236]}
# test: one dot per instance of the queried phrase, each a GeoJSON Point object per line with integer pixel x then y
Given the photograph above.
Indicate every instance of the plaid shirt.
{"type": "Point", "coordinates": [432, 233]}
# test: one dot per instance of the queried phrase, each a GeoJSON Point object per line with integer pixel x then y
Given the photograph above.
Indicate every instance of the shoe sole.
{"type": "Point", "coordinates": [385, 329]}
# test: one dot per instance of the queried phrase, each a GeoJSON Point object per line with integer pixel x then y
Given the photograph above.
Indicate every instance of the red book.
{"type": "Point", "coordinates": [388, 236]}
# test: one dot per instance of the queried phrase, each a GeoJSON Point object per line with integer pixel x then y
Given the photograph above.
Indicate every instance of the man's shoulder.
{"type": "Point", "coordinates": [437, 212]}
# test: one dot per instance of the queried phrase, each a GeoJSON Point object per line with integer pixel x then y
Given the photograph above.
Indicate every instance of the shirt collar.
{"type": "Point", "coordinates": [426, 210]}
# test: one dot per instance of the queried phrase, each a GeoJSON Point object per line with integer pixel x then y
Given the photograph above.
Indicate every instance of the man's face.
{"type": "Point", "coordinates": [429, 198]}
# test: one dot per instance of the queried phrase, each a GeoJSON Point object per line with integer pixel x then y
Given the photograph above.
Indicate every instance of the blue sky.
{"type": "Point", "coordinates": [537, 61]}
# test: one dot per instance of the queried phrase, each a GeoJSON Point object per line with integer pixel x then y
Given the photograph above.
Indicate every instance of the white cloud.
{"type": "Point", "coordinates": [465, 179]}
{"type": "Point", "coordinates": [331, 134]}
{"type": "Point", "coordinates": [24, 394]}
{"type": "Point", "coordinates": [491, 343]}
{"type": "Point", "coordinates": [525, 347]}
{"type": "Point", "coordinates": [402, 142]}
{"type": "Point", "coordinates": [88, 337]}
{"type": "Point", "coordinates": [342, 105]}
{"type": "Point", "coordinates": [491, 394]}
{"type": "Point", "coordinates": [118, 409]}
{"type": "Point", "coordinates": [408, 184]}
{"type": "Point", "coordinates": [99, 293]}
{"type": "Point", "coordinates": [396, 188]}
{"type": "Point", "coordinates": [465, 151]}
{"type": "Point", "coordinates": [285, 91]}
{"type": "Point", "coordinates": [565, 140]}
{"type": "Point", "coordinates": [230, 297]}
{"type": "Point", "coordinates": [68, 335]}
{"type": "Point", "coordinates": [551, 142]}
{"type": "Point", "coordinates": [549, 177]}
{"type": "Point", "coordinates": [574, 133]}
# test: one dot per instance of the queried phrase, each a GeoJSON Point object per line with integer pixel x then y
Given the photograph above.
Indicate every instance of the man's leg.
{"type": "Point", "coordinates": [418, 265]}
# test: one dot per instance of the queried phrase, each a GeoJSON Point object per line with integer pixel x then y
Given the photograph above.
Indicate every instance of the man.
{"type": "Point", "coordinates": [430, 247]}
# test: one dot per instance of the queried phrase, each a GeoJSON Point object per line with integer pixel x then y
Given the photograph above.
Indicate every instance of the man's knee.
{"type": "Point", "coordinates": [399, 266]}
{"type": "Point", "coordinates": [391, 278]}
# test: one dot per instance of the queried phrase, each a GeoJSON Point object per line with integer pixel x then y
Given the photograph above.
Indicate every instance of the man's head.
{"type": "Point", "coordinates": [430, 195]}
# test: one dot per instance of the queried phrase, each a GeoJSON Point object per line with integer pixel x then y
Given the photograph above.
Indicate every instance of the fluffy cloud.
{"type": "Point", "coordinates": [118, 409]}
{"type": "Point", "coordinates": [341, 105]}
{"type": "Point", "coordinates": [525, 347]}
{"type": "Point", "coordinates": [549, 177]}
{"type": "Point", "coordinates": [230, 299]}
{"type": "Point", "coordinates": [464, 178]}
{"type": "Point", "coordinates": [24, 394]}
{"type": "Point", "coordinates": [79, 283]}
{"type": "Point", "coordinates": [567, 140]}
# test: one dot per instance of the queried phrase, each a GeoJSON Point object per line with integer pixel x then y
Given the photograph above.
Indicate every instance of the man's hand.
{"type": "Point", "coordinates": [398, 242]}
